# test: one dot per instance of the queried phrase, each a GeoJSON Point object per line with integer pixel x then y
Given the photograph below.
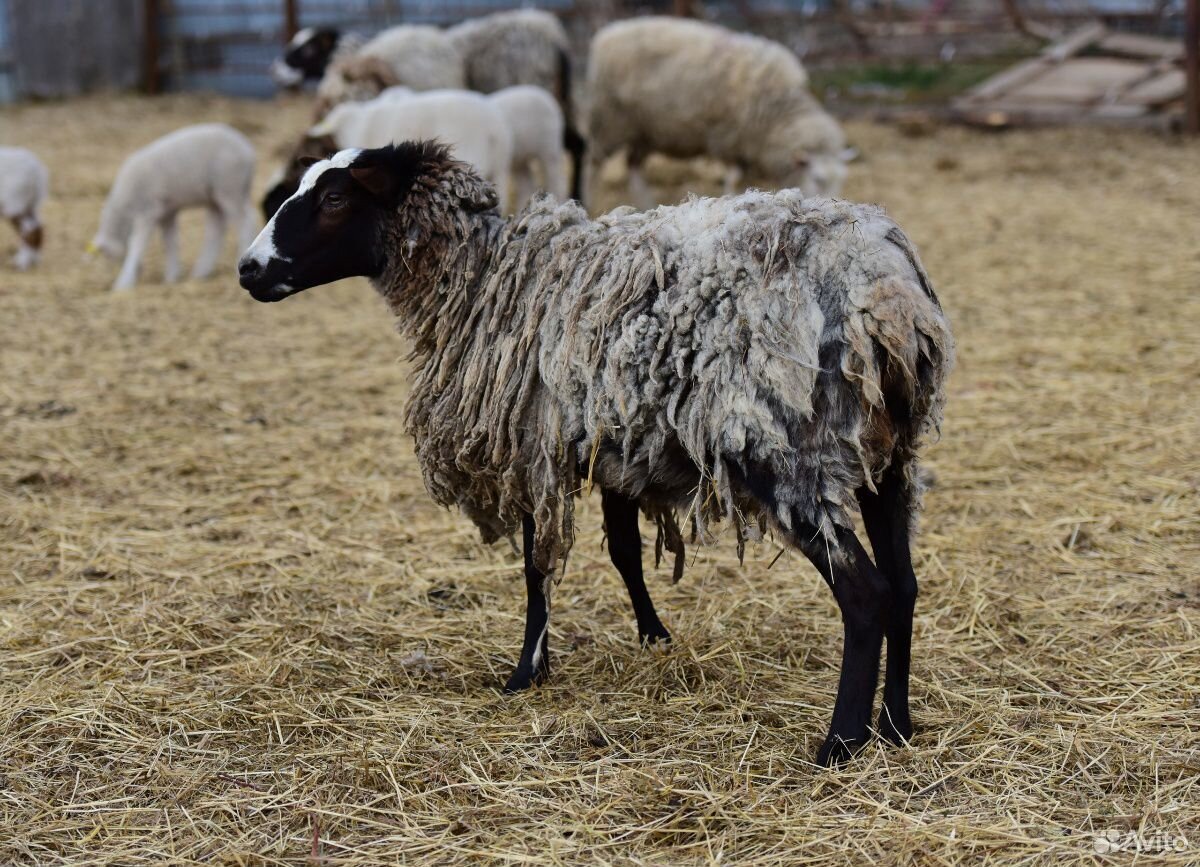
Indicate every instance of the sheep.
{"type": "Point", "coordinates": [537, 125]}
{"type": "Point", "coordinates": [356, 78]}
{"type": "Point", "coordinates": [419, 56]}
{"type": "Point", "coordinates": [309, 52]}
{"type": "Point", "coordinates": [486, 54]}
{"type": "Point", "coordinates": [532, 115]}
{"type": "Point", "coordinates": [523, 46]}
{"type": "Point", "coordinates": [24, 184]}
{"type": "Point", "coordinates": [207, 165]}
{"type": "Point", "coordinates": [469, 122]}
{"type": "Point", "coordinates": [686, 88]}
{"type": "Point", "coordinates": [768, 358]}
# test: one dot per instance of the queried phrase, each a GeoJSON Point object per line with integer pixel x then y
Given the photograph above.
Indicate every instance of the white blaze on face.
{"type": "Point", "coordinates": [263, 250]}
{"type": "Point", "coordinates": [302, 36]}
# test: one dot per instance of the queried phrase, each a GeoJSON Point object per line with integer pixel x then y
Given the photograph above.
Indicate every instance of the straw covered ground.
{"type": "Point", "coordinates": [234, 630]}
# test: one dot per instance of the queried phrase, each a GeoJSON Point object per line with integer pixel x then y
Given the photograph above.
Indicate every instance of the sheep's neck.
{"type": "Point", "coordinates": [431, 285]}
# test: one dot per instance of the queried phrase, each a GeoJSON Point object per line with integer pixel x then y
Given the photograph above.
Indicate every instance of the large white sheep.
{"type": "Point", "coordinates": [208, 165]}
{"type": "Point", "coordinates": [471, 123]}
{"type": "Point", "coordinates": [24, 185]}
{"type": "Point", "coordinates": [768, 357]}
{"type": "Point", "coordinates": [687, 88]}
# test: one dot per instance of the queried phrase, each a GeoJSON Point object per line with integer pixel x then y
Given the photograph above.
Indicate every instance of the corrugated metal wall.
{"type": "Point", "coordinates": [227, 45]}
{"type": "Point", "coordinates": [61, 48]}
{"type": "Point", "coordinates": [8, 87]}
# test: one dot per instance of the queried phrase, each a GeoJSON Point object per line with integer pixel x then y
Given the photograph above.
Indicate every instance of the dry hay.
{"type": "Point", "coordinates": [234, 630]}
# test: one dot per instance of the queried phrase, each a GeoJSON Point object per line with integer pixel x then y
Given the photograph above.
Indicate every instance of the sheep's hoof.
{"type": "Point", "coordinates": [896, 728]}
{"type": "Point", "coordinates": [654, 635]}
{"type": "Point", "coordinates": [524, 677]}
{"type": "Point", "coordinates": [838, 750]}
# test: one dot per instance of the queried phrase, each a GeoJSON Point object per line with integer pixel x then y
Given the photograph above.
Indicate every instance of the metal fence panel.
{"type": "Point", "coordinates": [67, 47]}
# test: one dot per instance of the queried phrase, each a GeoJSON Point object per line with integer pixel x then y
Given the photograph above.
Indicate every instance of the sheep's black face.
{"type": "Point", "coordinates": [309, 51]}
{"type": "Point", "coordinates": [330, 228]}
{"type": "Point", "coordinates": [327, 230]}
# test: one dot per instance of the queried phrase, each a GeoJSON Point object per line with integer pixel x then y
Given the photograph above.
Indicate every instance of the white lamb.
{"type": "Point", "coordinates": [24, 183]}
{"type": "Point", "coordinates": [469, 122]}
{"type": "Point", "coordinates": [208, 165]}
{"type": "Point", "coordinates": [687, 88]}
{"type": "Point", "coordinates": [537, 122]}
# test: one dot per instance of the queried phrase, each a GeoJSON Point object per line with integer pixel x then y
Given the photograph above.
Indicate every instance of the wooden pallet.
{"type": "Point", "coordinates": [1090, 76]}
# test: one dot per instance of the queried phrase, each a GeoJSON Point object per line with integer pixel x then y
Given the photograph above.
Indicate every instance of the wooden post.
{"type": "Point", "coordinates": [151, 74]}
{"type": "Point", "coordinates": [291, 19]}
{"type": "Point", "coordinates": [1191, 35]}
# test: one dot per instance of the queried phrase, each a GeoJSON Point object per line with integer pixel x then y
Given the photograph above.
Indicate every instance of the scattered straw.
{"type": "Point", "coordinates": [234, 630]}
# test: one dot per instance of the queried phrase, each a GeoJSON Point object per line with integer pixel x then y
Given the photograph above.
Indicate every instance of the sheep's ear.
{"type": "Point", "coordinates": [379, 181]}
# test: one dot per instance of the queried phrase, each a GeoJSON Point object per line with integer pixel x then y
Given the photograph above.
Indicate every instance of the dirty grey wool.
{"type": "Point", "coordinates": [757, 357]}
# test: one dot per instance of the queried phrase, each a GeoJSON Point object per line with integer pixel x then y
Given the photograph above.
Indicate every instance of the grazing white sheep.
{"type": "Point", "coordinates": [768, 358]}
{"type": "Point", "coordinates": [24, 184]}
{"type": "Point", "coordinates": [687, 88]}
{"type": "Point", "coordinates": [536, 121]}
{"type": "Point", "coordinates": [208, 165]}
{"type": "Point", "coordinates": [467, 121]}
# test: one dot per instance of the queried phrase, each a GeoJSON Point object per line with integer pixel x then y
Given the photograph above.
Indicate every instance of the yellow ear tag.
{"type": "Point", "coordinates": [91, 247]}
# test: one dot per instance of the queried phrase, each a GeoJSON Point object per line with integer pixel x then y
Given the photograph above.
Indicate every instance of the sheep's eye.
{"type": "Point", "coordinates": [332, 201]}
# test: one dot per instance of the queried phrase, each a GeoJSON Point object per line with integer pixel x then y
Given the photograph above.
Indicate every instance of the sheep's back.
{"type": "Point", "coordinates": [510, 48]}
{"type": "Point", "coordinates": [686, 88]}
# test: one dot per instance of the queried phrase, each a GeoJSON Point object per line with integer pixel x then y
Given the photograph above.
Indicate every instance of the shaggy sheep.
{"type": "Point", "coordinates": [24, 184]}
{"type": "Point", "coordinates": [208, 165]}
{"type": "Point", "coordinates": [686, 88]}
{"type": "Point", "coordinates": [767, 357]}
{"type": "Point", "coordinates": [419, 57]}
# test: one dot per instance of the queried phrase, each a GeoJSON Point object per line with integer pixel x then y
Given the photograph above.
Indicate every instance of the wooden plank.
{"type": "Point", "coordinates": [1080, 81]}
{"type": "Point", "coordinates": [1165, 87]}
{"type": "Point", "coordinates": [1136, 45]}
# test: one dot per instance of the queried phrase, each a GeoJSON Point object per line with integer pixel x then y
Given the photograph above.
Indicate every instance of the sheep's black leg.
{"type": "Point", "coordinates": [534, 666]}
{"type": "Point", "coordinates": [625, 549]}
{"type": "Point", "coordinates": [886, 518]}
{"type": "Point", "coordinates": [864, 597]}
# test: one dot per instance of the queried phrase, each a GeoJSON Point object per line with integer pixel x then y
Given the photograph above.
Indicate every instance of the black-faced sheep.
{"type": "Point", "coordinates": [766, 357]}
{"type": "Point", "coordinates": [207, 165]}
{"type": "Point", "coordinates": [687, 88]}
{"type": "Point", "coordinates": [24, 184]}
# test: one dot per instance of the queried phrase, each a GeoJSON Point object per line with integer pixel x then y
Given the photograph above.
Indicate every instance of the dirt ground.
{"type": "Point", "coordinates": [234, 629]}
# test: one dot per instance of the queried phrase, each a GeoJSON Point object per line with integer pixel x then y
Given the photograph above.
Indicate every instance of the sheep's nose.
{"type": "Point", "coordinates": [248, 269]}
